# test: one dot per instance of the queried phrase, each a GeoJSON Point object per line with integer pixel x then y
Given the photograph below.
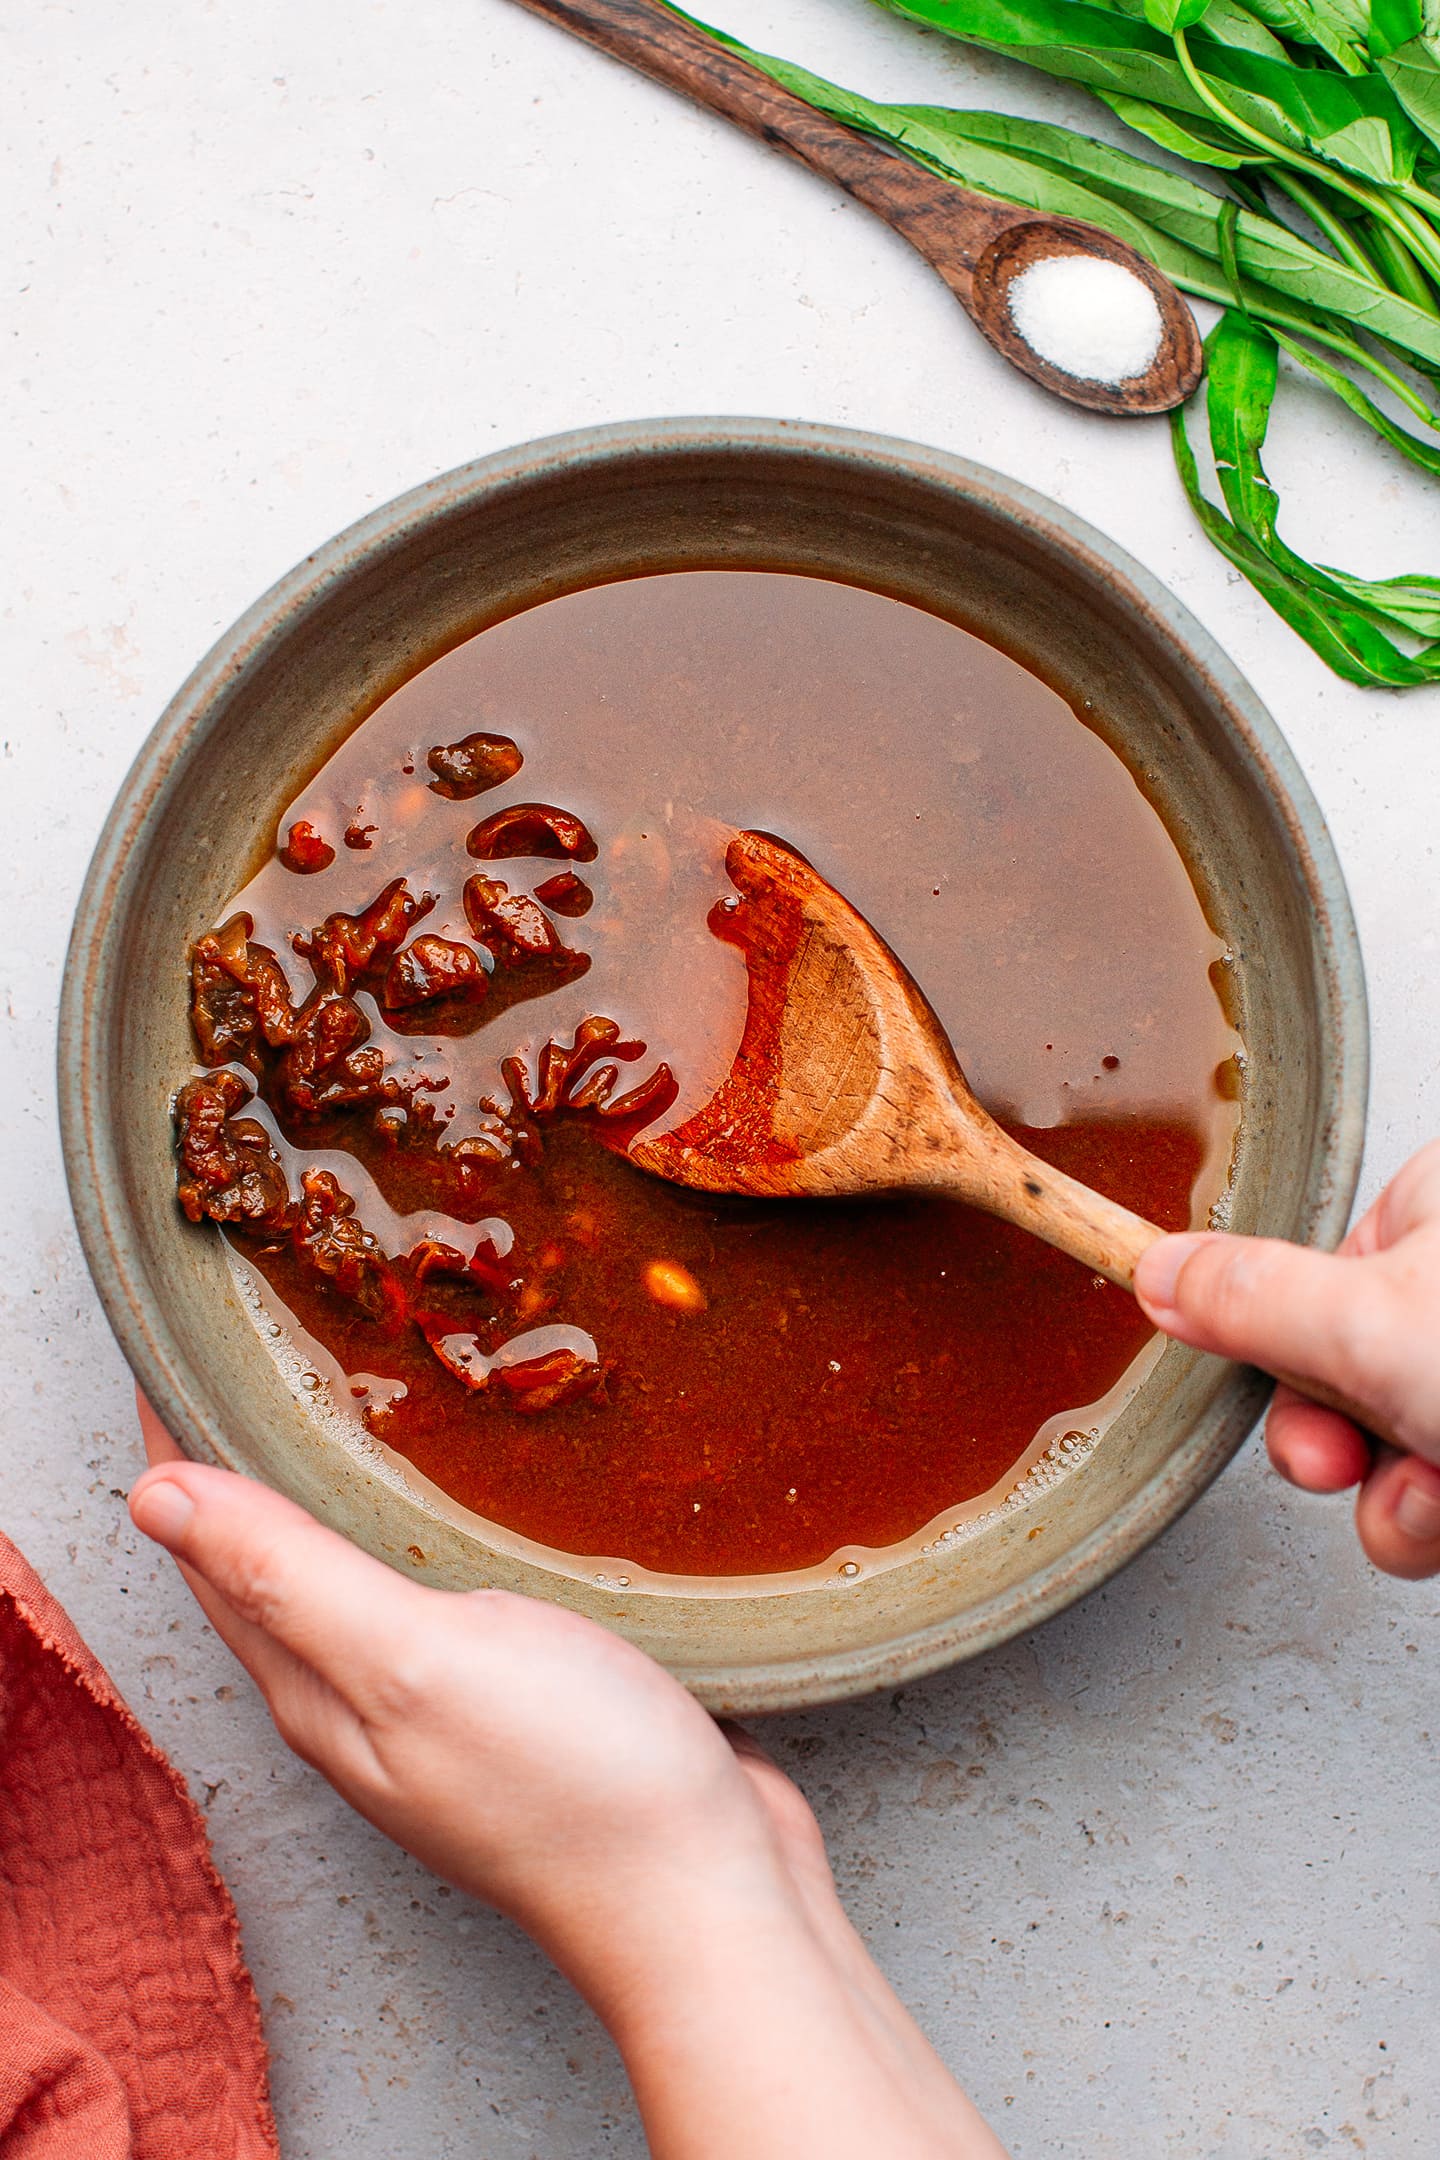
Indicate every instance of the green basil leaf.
{"type": "Point", "coordinates": [1425, 455]}
{"type": "Point", "coordinates": [1241, 378]}
{"type": "Point", "coordinates": [1410, 603]}
{"type": "Point", "coordinates": [1171, 15]}
{"type": "Point", "coordinates": [1413, 73]}
{"type": "Point", "coordinates": [1342, 636]}
{"type": "Point", "coordinates": [1069, 38]}
{"type": "Point", "coordinates": [1233, 24]}
{"type": "Point", "coordinates": [1187, 138]}
{"type": "Point", "coordinates": [1307, 109]}
{"type": "Point", "coordinates": [1354, 121]}
{"type": "Point", "coordinates": [1232, 20]}
{"type": "Point", "coordinates": [1395, 22]}
{"type": "Point", "coordinates": [1338, 28]}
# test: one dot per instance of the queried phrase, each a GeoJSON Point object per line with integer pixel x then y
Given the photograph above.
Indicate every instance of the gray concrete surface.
{"type": "Point", "coordinates": [1161, 1879]}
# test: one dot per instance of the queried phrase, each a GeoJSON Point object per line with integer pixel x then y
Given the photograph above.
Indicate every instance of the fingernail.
{"type": "Point", "coordinates": [1417, 1511]}
{"type": "Point", "coordinates": [1157, 1271]}
{"type": "Point", "coordinates": [164, 1511]}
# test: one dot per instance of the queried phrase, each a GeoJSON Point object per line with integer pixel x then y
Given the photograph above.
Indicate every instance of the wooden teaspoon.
{"type": "Point", "coordinates": [845, 1082]}
{"type": "Point", "coordinates": [977, 243]}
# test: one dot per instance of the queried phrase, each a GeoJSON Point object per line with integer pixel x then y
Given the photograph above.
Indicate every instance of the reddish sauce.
{"type": "Point", "coordinates": [600, 1362]}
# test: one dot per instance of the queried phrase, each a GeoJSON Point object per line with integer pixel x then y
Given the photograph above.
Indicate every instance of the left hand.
{"type": "Point", "coordinates": [549, 1767]}
{"type": "Point", "coordinates": [532, 1758]}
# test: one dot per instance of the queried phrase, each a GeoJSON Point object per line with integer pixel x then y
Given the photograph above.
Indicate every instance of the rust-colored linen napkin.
{"type": "Point", "coordinates": [129, 2028]}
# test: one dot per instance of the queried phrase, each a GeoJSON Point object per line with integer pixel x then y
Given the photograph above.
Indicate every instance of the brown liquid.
{"type": "Point", "coordinates": [859, 1370]}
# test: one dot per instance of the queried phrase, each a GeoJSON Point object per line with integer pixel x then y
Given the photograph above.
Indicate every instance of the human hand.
{"type": "Point", "coordinates": [550, 1768]}
{"type": "Point", "coordinates": [524, 1754]}
{"type": "Point", "coordinates": [1364, 1323]}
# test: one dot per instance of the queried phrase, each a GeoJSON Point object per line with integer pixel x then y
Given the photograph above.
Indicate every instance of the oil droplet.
{"type": "Point", "coordinates": [670, 1284]}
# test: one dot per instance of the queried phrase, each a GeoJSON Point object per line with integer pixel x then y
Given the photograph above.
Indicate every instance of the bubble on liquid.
{"type": "Point", "coordinates": [850, 1568]}
{"type": "Point", "coordinates": [1064, 1455]}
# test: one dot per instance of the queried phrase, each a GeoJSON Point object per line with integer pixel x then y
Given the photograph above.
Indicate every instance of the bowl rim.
{"type": "Point", "coordinates": [138, 1320]}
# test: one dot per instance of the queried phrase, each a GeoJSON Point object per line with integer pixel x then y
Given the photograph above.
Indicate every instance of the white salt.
{"type": "Point", "coordinates": [1087, 316]}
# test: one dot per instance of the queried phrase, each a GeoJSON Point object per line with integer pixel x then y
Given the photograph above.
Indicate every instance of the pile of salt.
{"type": "Point", "coordinates": [1087, 316]}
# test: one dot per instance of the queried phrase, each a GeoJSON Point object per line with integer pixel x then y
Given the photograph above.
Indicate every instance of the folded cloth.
{"type": "Point", "coordinates": [129, 2028]}
{"type": "Point", "coordinates": [58, 2095]}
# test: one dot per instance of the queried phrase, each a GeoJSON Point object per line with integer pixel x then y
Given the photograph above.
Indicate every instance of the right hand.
{"type": "Point", "coordinates": [1363, 1322]}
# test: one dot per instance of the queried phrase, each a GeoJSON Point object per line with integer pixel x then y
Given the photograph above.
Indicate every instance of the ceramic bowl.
{"type": "Point", "coordinates": [355, 619]}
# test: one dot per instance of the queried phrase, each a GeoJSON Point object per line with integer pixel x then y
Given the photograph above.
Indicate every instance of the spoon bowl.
{"type": "Point", "coordinates": [845, 1081]}
{"type": "Point", "coordinates": [1178, 362]}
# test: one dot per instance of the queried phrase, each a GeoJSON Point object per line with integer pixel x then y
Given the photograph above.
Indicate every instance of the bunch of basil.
{"type": "Point", "coordinates": [1325, 110]}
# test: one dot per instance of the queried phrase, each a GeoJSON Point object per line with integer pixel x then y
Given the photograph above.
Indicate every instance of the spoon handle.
{"type": "Point", "coordinates": [949, 224]}
{"type": "Point", "coordinates": [1009, 1181]}
{"type": "Point", "coordinates": [994, 1172]}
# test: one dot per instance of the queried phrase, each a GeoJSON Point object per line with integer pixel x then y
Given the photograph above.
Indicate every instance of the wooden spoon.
{"type": "Point", "coordinates": [845, 1082]}
{"type": "Point", "coordinates": [977, 243]}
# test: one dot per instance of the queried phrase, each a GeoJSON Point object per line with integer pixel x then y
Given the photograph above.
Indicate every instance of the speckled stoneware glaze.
{"type": "Point", "coordinates": [284, 686]}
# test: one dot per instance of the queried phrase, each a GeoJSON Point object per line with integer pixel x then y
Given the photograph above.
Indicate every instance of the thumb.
{"type": "Point", "coordinates": [282, 1573]}
{"type": "Point", "coordinates": [1323, 1321]}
